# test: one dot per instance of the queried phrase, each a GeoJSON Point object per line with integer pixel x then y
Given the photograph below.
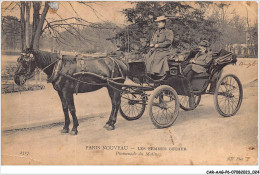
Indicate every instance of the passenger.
{"type": "Point", "coordinates": [198, 64]}
{"type": "Point", "coordinates": [157, 59]}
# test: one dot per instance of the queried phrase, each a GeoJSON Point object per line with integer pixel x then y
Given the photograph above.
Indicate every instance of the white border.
{"type": "Point", "coordinates": [119, 169]}
{"type": "Point", "coordinates": [129, 169]}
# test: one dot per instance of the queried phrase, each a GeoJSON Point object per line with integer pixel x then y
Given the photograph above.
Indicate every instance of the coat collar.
{"type": "Point", "coordinates": [161, 29]}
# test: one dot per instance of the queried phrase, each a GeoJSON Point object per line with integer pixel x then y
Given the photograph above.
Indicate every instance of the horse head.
{"type": "Point", "coordinates": [25, 68]}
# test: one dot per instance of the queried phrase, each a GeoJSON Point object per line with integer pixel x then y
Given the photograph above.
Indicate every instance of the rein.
{"type": "Point", "coordinates": [52, 76]}
{"type": "Point", "coordinates": [84, 82]}
{"type": "Point", "coordinates": [50, 64]}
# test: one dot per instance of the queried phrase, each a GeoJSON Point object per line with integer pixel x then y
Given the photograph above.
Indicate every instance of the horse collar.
{"type": "Point", "coordinates": [55, 71]}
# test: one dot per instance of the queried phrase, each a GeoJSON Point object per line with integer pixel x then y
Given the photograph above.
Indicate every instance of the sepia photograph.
{"type": "Point", "coordinates": [129, 83]}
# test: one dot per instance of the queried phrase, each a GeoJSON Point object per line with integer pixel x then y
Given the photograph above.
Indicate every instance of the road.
{"type": "Point", "coordinates": [199, 137]}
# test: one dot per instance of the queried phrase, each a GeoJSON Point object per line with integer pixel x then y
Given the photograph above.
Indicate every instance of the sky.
{"type": "Point", "coordinates": [111, 10]}
{"type": "Point", "coordinates": [103, 11]}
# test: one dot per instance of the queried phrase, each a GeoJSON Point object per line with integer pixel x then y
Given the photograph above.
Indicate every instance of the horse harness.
{"type": "Point", "coordinates": [55, 71]}
{"type": "Point", "coordinates": [81, 66]}
{"type": "Point", "coordinates": [81, 63]}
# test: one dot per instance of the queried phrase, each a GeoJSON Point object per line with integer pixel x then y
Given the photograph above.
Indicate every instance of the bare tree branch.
{"type": "Point", "coordinates": [6, 8]}
{"type": "Point", "coordinates": [58, 38]}
{"type": "Point", "coordinates": [94, 10]}
{"type": "Point", "coordinates": [80, 20]}
{"type": "Point", "coordinates": [77, 31]}
{"type": "Point", "coordinates": [73, 9]}
{"type": "Point", "coordinates": [16, 4]}
{"type": "Point", "coordinates": [78, 35]}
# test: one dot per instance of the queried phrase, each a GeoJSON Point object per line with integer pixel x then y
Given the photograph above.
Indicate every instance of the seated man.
{"type": "Point", "coordinates": [198, 64]}
{"type": "Point", "coordinates": [157, 59]}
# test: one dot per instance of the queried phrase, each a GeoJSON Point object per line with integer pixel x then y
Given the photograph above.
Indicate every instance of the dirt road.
{"type": "Point", "coordinates": [197, 137]}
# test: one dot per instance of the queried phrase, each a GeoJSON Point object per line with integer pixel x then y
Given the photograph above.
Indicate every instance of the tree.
{"type": "Point", "coordinates": [36, 17]}
{"type": "Point", "coordinates": [27, 23]}
{"type": "Point", "coordinates": [31, 37]}
{"type": "Point", "coordinates": [10, 33]}
{"type": "Point", "coordinates": [38, 29]}
{"type": "Point", "coordinates": [188, 23]}
{"type": "Point", "coordinates": [231, 26]}
{"type": "Point", "coordinates": [22, 21]}
{"type": "Point", "coordinates": [96, 38]}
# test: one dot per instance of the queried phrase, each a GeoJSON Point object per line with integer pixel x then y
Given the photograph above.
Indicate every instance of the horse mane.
{"type": "Point", "coordinates": [46, 57]}
{"type": "Point", "coordinates": [69, 58]}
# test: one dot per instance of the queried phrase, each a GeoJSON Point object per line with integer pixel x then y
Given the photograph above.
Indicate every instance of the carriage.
{"type": "Point", "coordinates": [172, 92]}
{"type": "Point", "coordinates": [163, 97]}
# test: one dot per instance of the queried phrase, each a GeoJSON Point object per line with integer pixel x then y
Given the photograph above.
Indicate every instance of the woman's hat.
{"type": "Point", "coordinates": [160, 18]}
{"type": "Point", "coordinates": [204, 43]}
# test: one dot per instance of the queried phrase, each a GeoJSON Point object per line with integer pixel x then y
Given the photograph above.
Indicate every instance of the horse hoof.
{"type": "Point", "coordinates": [106, 126]}
{"type": "Point", "coordinates": [64, 130]}
{"type": "Point", "coordinates": [74, 132]}
{"type": "Point", "coordinates": [110, 128]}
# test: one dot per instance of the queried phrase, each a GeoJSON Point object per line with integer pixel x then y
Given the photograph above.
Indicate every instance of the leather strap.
{"type": "Point", "coordinates": [55, 72]}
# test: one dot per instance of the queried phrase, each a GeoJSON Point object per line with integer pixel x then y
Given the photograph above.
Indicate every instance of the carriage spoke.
{"type": "Point", "coordinates": [234, 100]}
{"type": "Point", "coordinates": [221, 101]}
{"type": "Point", "coordinates": [132, 111]}
{"type": "Point", "coordinates": [234, 103]}
{"type": "Point", "coordinates": [225, 105]}
{"type": "Point", "coordinates": [127, 107]}
{"type": "Point", "coordinates": [228, 106]}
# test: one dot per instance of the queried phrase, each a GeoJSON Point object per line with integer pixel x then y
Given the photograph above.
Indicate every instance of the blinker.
{"type": "Point", "coordinates": [19, 59]}
{"type": "Point", "coordinates": [27, 58]}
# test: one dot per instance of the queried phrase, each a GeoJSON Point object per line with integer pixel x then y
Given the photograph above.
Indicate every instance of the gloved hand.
{"type": "Point", "coordinates": [192, 61]}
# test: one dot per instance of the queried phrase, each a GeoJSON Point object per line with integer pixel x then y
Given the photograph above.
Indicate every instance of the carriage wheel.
{"type": "Point", "coordinates": [132, 106]}
{"type": "Point", "coordinates": [164, 106]}
{"type": "Point", "coordinates": [184, 102]}
{"type": "Point", "coordinates": [228, 95]}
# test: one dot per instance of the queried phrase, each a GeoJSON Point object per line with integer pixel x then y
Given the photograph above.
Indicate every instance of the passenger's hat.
{"type": "Point", "coordinates": [204, 43]}
{"type": "Point", "coordinates": [160, 18]}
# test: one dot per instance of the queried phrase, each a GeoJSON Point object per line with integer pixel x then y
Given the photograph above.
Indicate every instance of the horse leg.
{"type": "Point", "coordinates": [109, 125]}
{"type": "Point", "coordinates": [116, 100]}
{"type": "Point", "coordinates": [66, 113]}
{"type": "Point", "coordinates": [70, 101]}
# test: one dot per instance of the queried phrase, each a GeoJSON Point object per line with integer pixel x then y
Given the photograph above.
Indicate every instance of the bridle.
{"type": "Point", "coordinates": [31, 59]}
{"type": "Point", "coordinates": [29, 62]}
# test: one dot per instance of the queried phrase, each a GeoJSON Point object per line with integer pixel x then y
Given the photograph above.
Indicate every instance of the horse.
{"type": "Point", "coordinates": [62, 74]}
